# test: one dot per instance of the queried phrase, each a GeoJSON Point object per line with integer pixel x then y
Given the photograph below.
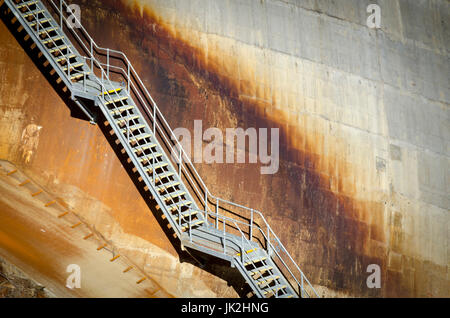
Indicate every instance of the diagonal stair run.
{"type": "Point", "coordinates": [252, 248]}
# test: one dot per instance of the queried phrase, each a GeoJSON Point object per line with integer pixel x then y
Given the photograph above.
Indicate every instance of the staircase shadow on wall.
{"type": "Point", "coordinates": [212, 265]}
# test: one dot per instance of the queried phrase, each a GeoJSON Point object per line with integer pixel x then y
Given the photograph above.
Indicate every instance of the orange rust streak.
{"type": "Point", "coordinates": [327, 203]}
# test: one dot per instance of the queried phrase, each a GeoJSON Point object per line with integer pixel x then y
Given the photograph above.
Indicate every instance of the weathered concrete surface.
{"type": "Point", "coordinates": [364, 114]}
{"type": "Point", "coordinates": [364, 119]}
{"type": "Point", "coordinates": [16, 284]}
{"type": "Point", "coordinates": [43, 245]}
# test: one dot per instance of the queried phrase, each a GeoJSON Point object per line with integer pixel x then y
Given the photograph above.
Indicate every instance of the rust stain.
{"type": "Point", "coordinates": [312, 201]}
{"type": "Point", "coordinates": [345, 234]}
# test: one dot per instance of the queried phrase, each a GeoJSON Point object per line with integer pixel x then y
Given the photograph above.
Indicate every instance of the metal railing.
{"type": "Point", "coordinates": [258, 228]}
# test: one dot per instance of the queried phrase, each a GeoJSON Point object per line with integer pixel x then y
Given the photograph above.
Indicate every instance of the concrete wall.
{"type": "Point", "coordinates": [370, 106]}
{"type": "Point", "coordinates": [364, 171]}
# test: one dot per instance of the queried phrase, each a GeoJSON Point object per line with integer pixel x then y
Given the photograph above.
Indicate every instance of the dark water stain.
{"type": "Point", "coordinates": [328, 229]}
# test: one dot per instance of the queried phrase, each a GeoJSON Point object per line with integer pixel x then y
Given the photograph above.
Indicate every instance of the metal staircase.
{"type": "Point", "coordinates": [104, 79]}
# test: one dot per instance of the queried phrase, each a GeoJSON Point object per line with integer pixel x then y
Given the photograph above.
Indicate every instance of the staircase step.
{"type": "Point", "coordinates": [78, 75]}
{"type": "Point", "coordinates": [123, 120]}
{"type": "Point", "coordinates": [59, 48]}
{"type": "Point", "coordinates": [111, 91]}
{"type": "Point", "coordinates": [42, 21]}
{"type": "Point", "coordinates": [255, 260]}
{"type": "Point", "coordinates": [150, 157]}
{"type": "Point", "coordinates": [72, 66]}
{"type": "Point", "coordinates": [47, 30]}
{"type": "Point", "coordinates": [195, 223]}
{"type": "Point", "coordinates": [185, 215]}
{"type": "Point", "coordinates": [175, 206]}
{"type": "Point", "coordinates": [157, 166]}
{"type": "Point", "coordinates": [261, 270]}
{"type": "Point", "coordinates": [274, 289]}
{"type": "Point", "coordinates": [162, 176]}
{"type": "Point", "coordinates": [33, 13]}
{"type": "Point", "coordinates": [54, 39]}
{"type": "Point", "coordinates": [115, 99]}
{"type": "Point", "coordinates": [167, 186]}
{"type": "Point", "coordinates": [118, 110]}
{"type": "Point", "coordinates": [131, 128]}
{"type": "Point", "coordinates": [248, 251]}
{"type": "Point", "coordinates": [26, 4]}
{"type": "Point", "coordinates": [174, 195]}
{"type": "Point", "coordinates": [65, 57]}
{"type": "Point", "coordinates": [144, 147]}
{"type": "Point", "coordinates": [266, 280]}
{"type": "Point", "coordinates": [289, 295]}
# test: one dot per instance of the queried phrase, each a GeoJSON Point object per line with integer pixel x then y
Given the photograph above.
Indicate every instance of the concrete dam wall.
{"type": "Point", "coordinates": [363, 117]}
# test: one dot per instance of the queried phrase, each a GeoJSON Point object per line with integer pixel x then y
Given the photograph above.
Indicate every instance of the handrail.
{"type": "Point", "coordinates": [166, 132]}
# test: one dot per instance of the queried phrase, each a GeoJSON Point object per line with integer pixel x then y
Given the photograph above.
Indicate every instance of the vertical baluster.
{"type": "Point", "coordinates": [251, 225]}
{"type": "Point", "coordinates": [217, 213]}
{"type": "Point", "coordinates": [107, 63]}
{"type": "Point", "coordinates": [206, 207]}
{"type": "Point", "coordinates": [154, 121]}
{"type": "Point", "coordinates": [190, 226]}
{"type": "Point", "coordinates": [128, 129]}
{"type": "Point", "coordinates": [224, 237]}
{"type": "Point", "coordinates": [129, 78]}
{"type": "Point", "coordinates": [92, 56]}
{"type": "Point", "coordinates": [61, 14]}
{"type": "Point", "coordinates": [301, 287]}
{"type": "Point", "coordinates": [180, 163]}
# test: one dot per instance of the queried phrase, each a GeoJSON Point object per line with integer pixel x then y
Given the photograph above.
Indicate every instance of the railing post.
{"type": "Point", "coordinates": [107, 63]}
{"type": "Point", "coordinates": [224, 239]}
{"type": "Point", "coordinates": [154, 121]}
{"type": "Point", "coordinates": [37, 26]}
{"type": "Point", "coordinates": [61, 14]}
{"type": "Point", "coordinates": [242, 248]}
{"type": "Point", "coordinates": [190, 226]}
{"type": "Point", "coordinates": [251, 225]}
{"type": "Point", "coordinates": [301, 287]}
{"type": "Point", "coordinates": [92, 56]}
{"type": "Point", "coordinates": [217, 213]}
{"type": "Point", "coordinates": [206, 207]}
{"type": "Point", "coordinates": [180, 163]}
{"type": "Point", "coordinates": [128, 126]}
{"type": "Point", "coordinates": [128, 77]}
{"type": "Point", "coordinates": [268, 240]}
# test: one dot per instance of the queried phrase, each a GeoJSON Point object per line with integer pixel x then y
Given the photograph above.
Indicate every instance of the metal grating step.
{"type": "Point", "coordinates": [53, 40]}
{"type": "Point", "coordinates": [33, 13]}
{"type": "Point", "coordinates": [119, 110]}
{"type": "Point", "coordinates": [174, 195]}
{"type": "Point", "coordinates": [167, 186]}
{"type": "Point", "coordinates": [185, 215]}
{"type": "Point", "coordinates": [41, 21]}
{"type": "Point", "coordinates": [157, 166]}
{"type": "Point", "coordinates": [175, 206]}
{"type": "Point", "coordinates": [26, 4]}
